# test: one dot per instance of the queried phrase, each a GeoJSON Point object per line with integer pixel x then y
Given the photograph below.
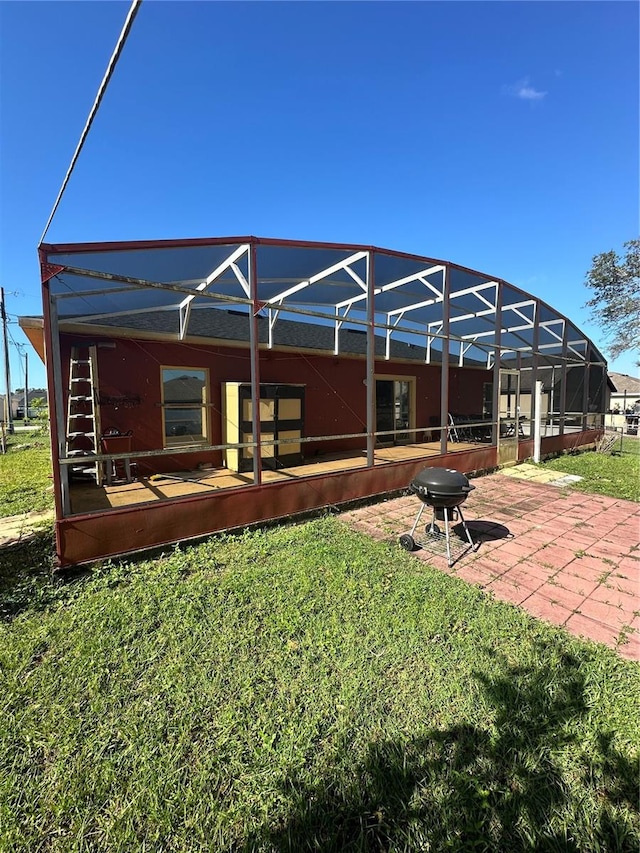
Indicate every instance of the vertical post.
{"type": "Point", "coordinates": [518, 403]}
{"type": "Point", "coordinates": [7, 370]}
{"type": "Point", "coordinates": [371, 355]}
{"type": "Point", "coordinates": [26, 388]}
{"type": "Point", "coordinates": [495, 429]}
{"type": "Point", "coordinates": [552, 397]}
{"type": "Point", "coordinates": [56, 401]}
{"type": "Point", "coordinates": [444, 372]}
{"type": "Point", "coordinates": [563, 379]}
{"type": "Point", "coordinates": [537, 423]}
{"type": "Point", "coordinates": [255, 367]}
{"type": "Point", "coordinates": [535, 343]}
{"type": "Point", "coordinates": [585, 389]}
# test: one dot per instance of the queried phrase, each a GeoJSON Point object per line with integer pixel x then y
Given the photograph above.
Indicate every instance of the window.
{"type": "Point", "coordinates": [185, 395]}
{"type": "Point", "coordinates": [487, 401]}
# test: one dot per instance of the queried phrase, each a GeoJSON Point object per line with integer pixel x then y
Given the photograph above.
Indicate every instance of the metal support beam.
{"type": "Point", "coordinates": [585, 390]}
{"type": "Point", "coordinates": [56, 418]}
{"type": "Point", "coordinates": [387, 343]}
{"type": "Point", "coordinates": [536, 394]}
{"type": "Point", "coordinates": [444, 373]}
{"type": "Point", "coordinates": [563, 380]}
{"type": "Point", "coordinates": [536, 417]}
{"type": "Point", "coordinates": [230, 262]}
{"type": "Point", "coordinates": [371, 355]}
{"type": "Point", "coordinates": [273, 316]}
{"type": "Point", "coordinates": [339, 320]}
{"type": "Point", "coordinates": [341, 265]}
{"type": "Point", "coordinates": [497, 358]}
{"type": "Point", "coordinates": [392, 285]}
{"type": "Point", "coordinates": [255, 367]}
{"type": "Point", "coordinates": [431, 335]}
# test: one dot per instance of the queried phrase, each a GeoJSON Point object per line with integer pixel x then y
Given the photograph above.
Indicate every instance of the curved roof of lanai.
{"type": "Point", "coordinates": [413, 300]}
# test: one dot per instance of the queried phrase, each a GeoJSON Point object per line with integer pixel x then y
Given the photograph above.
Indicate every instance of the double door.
{"type": "Point", "coordinates": [281, 412]}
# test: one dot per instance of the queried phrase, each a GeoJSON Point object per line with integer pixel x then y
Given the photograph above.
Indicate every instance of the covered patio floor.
{"type": "Point", "coordinates": [87, 497]}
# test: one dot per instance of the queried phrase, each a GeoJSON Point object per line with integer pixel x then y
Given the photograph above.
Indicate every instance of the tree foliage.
{"type": "Point", "coordinates": [615, 305]}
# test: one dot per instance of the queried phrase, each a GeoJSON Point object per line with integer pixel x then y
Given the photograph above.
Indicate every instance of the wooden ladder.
{"type": "Point", "coordinates": [83, 412]}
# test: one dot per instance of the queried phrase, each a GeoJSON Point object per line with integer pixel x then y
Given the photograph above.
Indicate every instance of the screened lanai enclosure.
{"type": "Point", "coordinates": [202, 385]}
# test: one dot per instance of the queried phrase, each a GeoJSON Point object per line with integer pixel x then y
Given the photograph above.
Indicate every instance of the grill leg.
{"type": "Point", "coordinates": [446, 531]}
{"type": "Point", "coordinates": [415, 523]}
{"type": "Point", "coordinates": [466, 529]}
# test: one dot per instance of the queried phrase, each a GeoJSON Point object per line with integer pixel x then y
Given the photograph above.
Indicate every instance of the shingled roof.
{"type": "Point", "coordinates": [232, 325]}
{"type": "Point", "coordinates": [625, 384]}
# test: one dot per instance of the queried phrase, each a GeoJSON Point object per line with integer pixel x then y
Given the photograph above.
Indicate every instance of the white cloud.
{"type": "Point", "coordinates": [525, 91]}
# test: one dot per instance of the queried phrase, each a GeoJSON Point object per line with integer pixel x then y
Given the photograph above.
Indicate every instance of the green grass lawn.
{"type": "Point", "coordinates": [303, 688]}
{"type": "Point", "coordinates": [616, 474]}
{"type": "Point", "coordinates": [25, 474]}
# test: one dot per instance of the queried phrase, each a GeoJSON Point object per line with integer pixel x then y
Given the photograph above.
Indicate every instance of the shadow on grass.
{"type": "Point", "coordinates": [469, 788]}
{"type": "Point", "coordinates": [26, 575]}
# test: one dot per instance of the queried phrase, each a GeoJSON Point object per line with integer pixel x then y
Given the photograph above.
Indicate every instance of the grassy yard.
{"type": "Point", "coordinates": [616, 475]}
{"type": "Point", "coordinates": [25, 474]}
{"type": "Point", "coordinates": [303, 689]}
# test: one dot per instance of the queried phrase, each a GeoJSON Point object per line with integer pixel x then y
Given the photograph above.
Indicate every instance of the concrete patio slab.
{"type": "Point", "coordinates": [569, 558]}
{"type": "Point", "coordinates": [17, 528]}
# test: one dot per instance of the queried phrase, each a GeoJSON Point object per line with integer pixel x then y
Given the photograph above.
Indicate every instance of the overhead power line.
{"type": "Point", "coordinates": [133, 11]}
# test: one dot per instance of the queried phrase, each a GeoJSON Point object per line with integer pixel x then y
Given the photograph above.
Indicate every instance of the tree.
{"type": "Point", "coordinates": [615, 305]}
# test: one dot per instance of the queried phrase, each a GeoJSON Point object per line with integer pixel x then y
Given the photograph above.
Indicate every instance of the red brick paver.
{"type": "Point", "coordinates": [566, 557]}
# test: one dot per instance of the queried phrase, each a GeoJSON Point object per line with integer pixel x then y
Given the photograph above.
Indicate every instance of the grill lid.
{"type": "Point", "coordinates": [441, 481]}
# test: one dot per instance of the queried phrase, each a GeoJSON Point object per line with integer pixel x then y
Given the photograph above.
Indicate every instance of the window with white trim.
{"type": "Point", "coordinates": [185, 399]}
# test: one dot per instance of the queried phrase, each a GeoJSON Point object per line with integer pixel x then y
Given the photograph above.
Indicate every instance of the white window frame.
{"type": "Point", "coordinates": [203, 408]}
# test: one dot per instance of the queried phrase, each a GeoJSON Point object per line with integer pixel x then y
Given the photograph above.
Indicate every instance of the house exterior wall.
{"type": "Point", "coordinates": [129, 378]}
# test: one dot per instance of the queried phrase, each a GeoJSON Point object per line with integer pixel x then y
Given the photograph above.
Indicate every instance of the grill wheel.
{"type": "Point", "coordinates": [407, 542]}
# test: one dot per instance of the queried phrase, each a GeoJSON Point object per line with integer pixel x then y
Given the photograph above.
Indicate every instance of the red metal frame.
{"type": "Point", "coordinates": [83, 538]}
{"type": "Point", "coordinates": [53, 424]}
{"type": "Point", "coordinates": [90, 537]}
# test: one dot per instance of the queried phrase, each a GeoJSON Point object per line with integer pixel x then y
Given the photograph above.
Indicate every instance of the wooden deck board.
{"type": "Point", "coordinates": [86, 497]}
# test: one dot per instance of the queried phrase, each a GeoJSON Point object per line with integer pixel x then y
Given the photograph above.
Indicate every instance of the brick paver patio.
{"type": "Point", "coordinates": [569, 558]}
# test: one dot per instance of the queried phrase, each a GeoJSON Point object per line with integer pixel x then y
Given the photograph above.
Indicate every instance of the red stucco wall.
{"type": "Point", "coordinates": [335, 393]}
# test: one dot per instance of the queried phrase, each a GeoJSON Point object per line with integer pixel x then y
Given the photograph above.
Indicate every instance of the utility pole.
{"type": "Point", "coordinates": [7, 373]}
{"type": "Point", "coordinates": [26, 388]}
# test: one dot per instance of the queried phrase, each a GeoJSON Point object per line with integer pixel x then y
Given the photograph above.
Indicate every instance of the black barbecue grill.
{"type": "Point", "coordinates": [445, 490]}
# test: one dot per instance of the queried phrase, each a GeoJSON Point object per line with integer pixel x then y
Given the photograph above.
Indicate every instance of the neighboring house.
{"type": "Point", "coordinates": [17, 404]}
{"type": "Point", "coordinates": [625, 395]}
{"type": "Point", "coordinates": [624, 405]}
{"type": "Point", "coordinates": [202, 385]}
{"type": "Point", "coordinates": [37, 401]}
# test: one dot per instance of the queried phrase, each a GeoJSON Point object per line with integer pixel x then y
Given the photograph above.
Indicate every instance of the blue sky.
{"type": "Point", "coordinates": [499, 135]}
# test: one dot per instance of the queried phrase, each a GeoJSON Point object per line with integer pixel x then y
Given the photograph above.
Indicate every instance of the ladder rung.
{"type": "Point", "coordinates": [82, 396]}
